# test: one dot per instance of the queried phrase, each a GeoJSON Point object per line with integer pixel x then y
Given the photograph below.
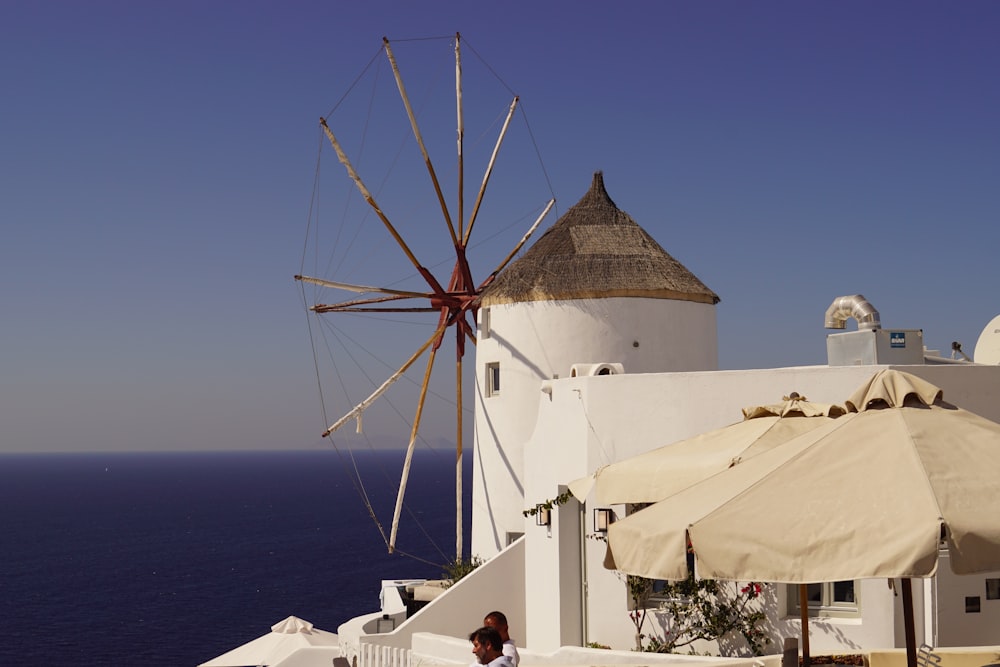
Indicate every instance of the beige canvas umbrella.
{"type": "Point", "coordinates": [284, 639]}
{"type": "Point", "coordinates": [661, 472]}
{"type": "Point", "coordinates": [872, 494]}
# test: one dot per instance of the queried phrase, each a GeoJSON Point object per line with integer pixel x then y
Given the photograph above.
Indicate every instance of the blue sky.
{"type": "Point", "coordinates": [157, 165]}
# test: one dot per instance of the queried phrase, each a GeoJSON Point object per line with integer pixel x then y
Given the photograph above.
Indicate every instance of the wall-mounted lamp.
{"type": "Point", "coordinates": [602, 519]}
{"type": "Point", "coordinates": [543, 515]}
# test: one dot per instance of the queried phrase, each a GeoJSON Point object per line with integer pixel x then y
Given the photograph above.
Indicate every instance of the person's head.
{"type": "Point", "coordinates": [497, 621]}
{"type": "Point", "coordinates": [486, 644]}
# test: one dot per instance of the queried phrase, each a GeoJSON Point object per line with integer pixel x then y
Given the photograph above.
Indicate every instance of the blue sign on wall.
{"type": "Point", "coordinates": [897, 339]}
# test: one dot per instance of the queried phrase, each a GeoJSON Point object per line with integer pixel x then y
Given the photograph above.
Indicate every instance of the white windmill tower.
{"type": "Point", "coordinates": [594, 295]}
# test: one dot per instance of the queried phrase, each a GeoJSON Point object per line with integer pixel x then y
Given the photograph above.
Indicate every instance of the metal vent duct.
{"type": "Point", "coordinates": [856, 306]}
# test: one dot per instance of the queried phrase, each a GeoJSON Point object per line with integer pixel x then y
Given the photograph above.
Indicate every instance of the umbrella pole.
{"type": "Point", "coordinates": [911, 635]}
{"type": "Point", "coordinates": [804, 611]}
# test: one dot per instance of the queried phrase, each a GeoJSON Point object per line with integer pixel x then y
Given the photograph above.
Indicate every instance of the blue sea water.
{"type": "Point", "coordinates": [174, 558]}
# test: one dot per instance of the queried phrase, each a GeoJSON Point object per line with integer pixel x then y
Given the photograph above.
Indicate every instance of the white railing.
{"type": "Point", "coordinates": [374, 655]}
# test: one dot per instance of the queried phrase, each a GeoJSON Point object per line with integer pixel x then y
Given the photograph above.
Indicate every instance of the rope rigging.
{"type": "Point", "coordinates": [357, 481]}
{"type": "Point", "coordinates": [454, 299]}
{"type": "Point", "coordinates": [348, 458]}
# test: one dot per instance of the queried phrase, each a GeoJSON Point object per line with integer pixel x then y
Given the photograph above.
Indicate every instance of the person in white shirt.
{"type": "Point", "coordinates": [488, 648]}
{"type": "Point", "coordinates": [498, 621]}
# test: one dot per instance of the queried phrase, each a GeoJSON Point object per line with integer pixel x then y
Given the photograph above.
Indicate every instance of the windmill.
{"type": "Point", "coordinates": [453, 299]}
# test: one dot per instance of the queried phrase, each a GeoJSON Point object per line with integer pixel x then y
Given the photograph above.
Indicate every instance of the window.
{"type": "Point", "coordinates": [993, 589]}
{"type": "Point", "coordinates": [493, 378]}
{"type": "Point", "coordinates": [484, 323]}
{"type": "Point", "coordinates": [972, 605]}
{"type": "Point", "coordinates": [837, 598]}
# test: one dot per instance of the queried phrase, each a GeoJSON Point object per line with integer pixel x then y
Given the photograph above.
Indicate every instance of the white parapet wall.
{"type": "Point", "coordinates": [495, 585]}
{"type": "Point", "coordinates": [972, 656]}
{"type": "Point", "coordinates": [429, 649]}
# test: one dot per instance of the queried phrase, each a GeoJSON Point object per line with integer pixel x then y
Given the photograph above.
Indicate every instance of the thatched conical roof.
{"type": "Point", "coordinates": [596, 250]}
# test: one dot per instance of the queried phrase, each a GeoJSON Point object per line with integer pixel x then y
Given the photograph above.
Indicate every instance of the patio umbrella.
{"type": "Point", "coordinates": [661, 472]}
{"type": "Point", "coordinates": [284, 639]}
{"type": "Point", "coordinates": [872, 494]}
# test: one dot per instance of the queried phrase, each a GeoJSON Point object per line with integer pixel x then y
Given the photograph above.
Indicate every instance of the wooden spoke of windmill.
{"type": "Point", "coordinates": [451, 300]}
{"type": "Point", "coordinates": [453, 304]}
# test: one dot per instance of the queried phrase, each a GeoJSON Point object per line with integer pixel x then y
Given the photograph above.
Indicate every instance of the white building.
{"type": "Point", "coordinates": [596, 346]}
{"type": "Point", "coordinates": [596, 296]}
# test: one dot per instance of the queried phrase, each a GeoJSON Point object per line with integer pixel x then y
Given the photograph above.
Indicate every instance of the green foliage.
{"type": "Point", "coordinates": [596, 645]}
{"type": "Point", "coordinates": [698, 609]}
{"type": "Point", "coordinates": [548, 504]}
{"type": "Point", "coordinates": [458, 568]}
{"type": "Point", "coordinates": [639, 589]}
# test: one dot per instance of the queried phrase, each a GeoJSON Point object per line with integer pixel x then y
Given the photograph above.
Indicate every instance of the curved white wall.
{"type": "Point", "coordinates": [540, 340]}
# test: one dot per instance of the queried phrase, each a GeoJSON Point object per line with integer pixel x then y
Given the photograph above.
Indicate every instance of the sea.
{"type": "Point", "coordinates": [174, 558]}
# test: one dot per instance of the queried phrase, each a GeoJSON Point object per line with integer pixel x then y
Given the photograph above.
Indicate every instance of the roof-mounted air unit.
{"type": "Point", "coordinates": [590, 370]}
{"type": "Point", "coordinates": [875, 346]}
{"type": "Point", "coordinates": [870, 344]}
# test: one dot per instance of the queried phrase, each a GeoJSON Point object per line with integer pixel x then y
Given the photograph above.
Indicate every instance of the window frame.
{"type": "Point", "coordinates": [493, 378]}
{"type": "Point", "coordinates": [484, 323]}
{"type": "Point", "coordinates": [827, 606]}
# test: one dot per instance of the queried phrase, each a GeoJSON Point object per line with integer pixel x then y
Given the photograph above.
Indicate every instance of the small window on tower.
{"type": "Point", "coordinates": [484, 323]}
{"type": "Point", "coordinates": [493, 378]}
{"type": "Point", "coordinates": [993, 589]}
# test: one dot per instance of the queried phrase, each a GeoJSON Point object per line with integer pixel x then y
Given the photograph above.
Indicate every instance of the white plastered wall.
{"type": "Point", "coordinates": [540, 340]}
